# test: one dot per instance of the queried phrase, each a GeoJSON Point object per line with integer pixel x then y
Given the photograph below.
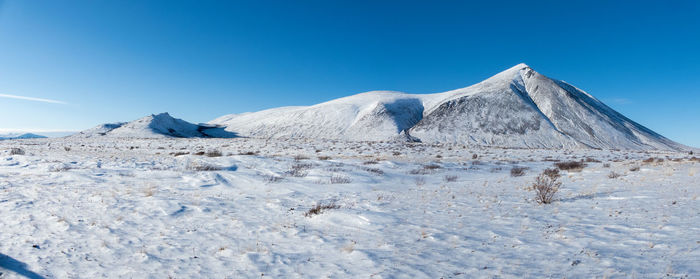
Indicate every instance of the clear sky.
{"type": "Point", "coordinates": [82, 63]}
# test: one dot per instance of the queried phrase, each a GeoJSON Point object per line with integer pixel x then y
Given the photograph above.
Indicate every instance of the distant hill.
{"type": "Point", "coordinates": [20, 136]}
{"type": "Point", "coordinates": [156, 126]}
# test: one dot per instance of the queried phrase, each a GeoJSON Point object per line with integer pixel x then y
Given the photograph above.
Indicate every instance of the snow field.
{"type": "Point", "coordinates": [132, 208]}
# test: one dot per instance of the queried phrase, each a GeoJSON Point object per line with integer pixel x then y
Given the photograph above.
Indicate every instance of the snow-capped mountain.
{"type": "Point", "coordinates": [157, 126]}
{"type": "Point", "coordinates": [517, 108]}
{"type": "Point", "coordinates": [20, 136]}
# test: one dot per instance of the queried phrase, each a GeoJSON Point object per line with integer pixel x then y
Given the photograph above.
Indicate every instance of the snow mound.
{"type": "Point", "coordinates": [157, 126]}
{"type": "Point", "coordinates": [517, 108]}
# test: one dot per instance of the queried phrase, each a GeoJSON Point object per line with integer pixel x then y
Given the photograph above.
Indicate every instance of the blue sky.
{"type": "Point", "coordinates": [109, 61]}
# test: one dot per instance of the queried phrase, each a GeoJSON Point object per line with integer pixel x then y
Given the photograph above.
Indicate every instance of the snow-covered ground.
{"type": "Point", "coordinates": [159, 208]}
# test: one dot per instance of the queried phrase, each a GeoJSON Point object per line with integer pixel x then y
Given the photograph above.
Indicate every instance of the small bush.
{"type": "Point", "coordinates": [552, 173]}
{"type": "Point", "coordinates": [179, 153]}
{"type": "Point", "coordinates": [606, 165]}
{"type": "Point", "coordinates": [248, 153]}
{"type": "Point", "coordinates": [272, 178]}
{"type": "Point", "coordinates": [202, 166]}
{"type": "Point", "coordinates": [339, 179]}
{"type": "Point", "coordinates": [545, 188]}
{"type": "Point", "coordinates": [299, 170]}
{"type": "Point", "coordinates": [375, 171]}
{"type": "Point", "coordinates": [320, 208]}
{"type": "Point", "coordinates": [635, 168]}
{"type": "Point", "coordinates": [324, 158]}
{"type": "Point", "coordinates": [431, 167]}
{"type": "Point", "coordinates": [474, 156]}
{"type": "Point", "coordinates": [517, 171]}
{"type": "Point", "coordinates": [214, 153]}
{"type": "Point", "coordinates": [298, 158]}
{"type": "Point", "coordinates": [571, 166]}
{"type": "Point", "coordinates": [450, 178]}
{"type": "Point", "coordinates": [613, 175]}
{"type": "Point", "coordinates": [66, 148]}
{"type": "Point", "coordinates": [16, 151]}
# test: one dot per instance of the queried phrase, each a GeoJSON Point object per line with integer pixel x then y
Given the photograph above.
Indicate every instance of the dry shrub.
{"type": "Point", "coordinates": [202, 166]}
{"type": "Point", "coordinates": [339, 179]}
{"type": "Point", "coordinates": [320, 208]}
{"type": "Point", "coordinates": [517, 171]}
{"type": "Point", "coordinates": [374, 171]}
{"type": "Point", "coordinates": [272, 178]}
{"type": "Point", "coordinates": [214, 153]}
{"type": "Point", "coordinates": [552, 173]}
{"type": "Point", "coordinates": [545, 188]}
{"type": "Point", "coordinates": [634, 168]}
{"type": "Point", "coordinates": [613, 175]}
{"type": "Point", "coordinates": [324, 158]}
{"type": "Point", "coordinates": [571, 166]}
{"type": "Point", "coordinates": [299, 170]}
{"type": "Point", "coordinates": [249, 153]}
{"type": "Point", "coordinates": [298, 158]}
{"type": "Point", "coordinates": [431, 167]}
{"type": "Point", "coordinates": [450, 178]}
{"type": "Point", "coordinates": [16, 151]}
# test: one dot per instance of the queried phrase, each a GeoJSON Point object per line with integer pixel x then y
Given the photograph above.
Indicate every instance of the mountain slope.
{"type": "Point", "coordinates": [157, 126]}
{"type": "Point", "coordinates": [515, 108]}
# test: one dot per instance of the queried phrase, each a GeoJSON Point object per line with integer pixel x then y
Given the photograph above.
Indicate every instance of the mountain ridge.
{"type": "Point", "coordinates": [518, 107]}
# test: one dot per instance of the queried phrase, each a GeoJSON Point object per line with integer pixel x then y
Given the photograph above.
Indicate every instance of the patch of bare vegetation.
{"type": "Point", "coordinates": [517, 171]}
{"type": "Point", "coordinates": [16, 151]}
{"type": "Point", "coordinates": [299, 169]}
{"type": "Point", "coordinates": [298, 158]}
{"type": "Point", "coordinates": [570, 166]}
{"type": "Point", "coordinates": [320, 208]}
{"type": "Point", "coordinates": [340, 179]}
{"type": "Point", "coordinates": [552, 173]}
{"type": "Point", "coordinates": [272, 178]}
{"type": "Point", "coordinates": [374, 171]}
{"type": "Point", "coordinates": [427, 169]}
{"type": "Point", "coordinates": [214, 153]}
{"type": "Point", "coordinates": [613, 175]}
{"type": "Point", "coordinates": [202, 166]}
{"type": "Point", "coordinates": [449, 178]}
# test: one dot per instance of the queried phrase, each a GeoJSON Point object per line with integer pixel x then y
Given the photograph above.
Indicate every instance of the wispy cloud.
{"type": "Point", "coordinates": [32, 99]}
